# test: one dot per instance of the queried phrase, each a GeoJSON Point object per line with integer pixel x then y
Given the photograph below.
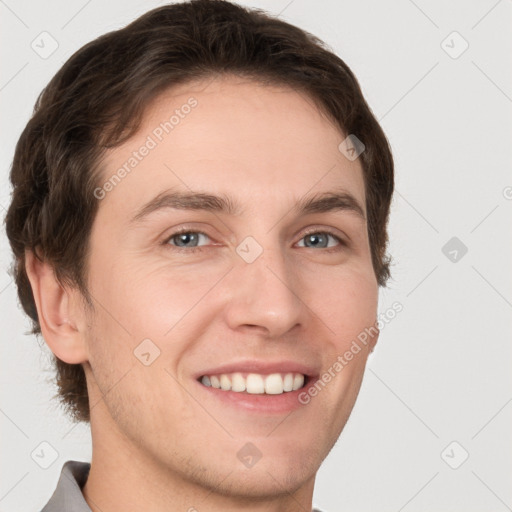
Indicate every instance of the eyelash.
{"type": "Point", "coordinates": [198, 249]}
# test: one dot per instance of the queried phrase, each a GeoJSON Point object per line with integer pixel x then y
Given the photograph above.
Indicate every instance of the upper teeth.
{"type": "Point", "coordinates": [254, 383]}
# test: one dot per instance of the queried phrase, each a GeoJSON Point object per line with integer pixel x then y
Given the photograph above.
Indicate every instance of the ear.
{"type": "Point", "coordinates": [59, 312]}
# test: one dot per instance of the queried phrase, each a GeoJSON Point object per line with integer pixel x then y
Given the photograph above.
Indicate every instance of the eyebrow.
{"type": "Point", "coordinates": [201, 201]}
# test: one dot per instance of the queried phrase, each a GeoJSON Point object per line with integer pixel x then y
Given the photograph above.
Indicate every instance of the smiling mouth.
{"type": "Point", "coordinates": [256, 383]}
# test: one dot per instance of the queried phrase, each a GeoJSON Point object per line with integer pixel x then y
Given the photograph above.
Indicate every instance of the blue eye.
{"type": "Point", "coordinates": [319, 238]}
{"type": "Point", "coordinates": [182, 240]}
{"type": "Point", "coordinates": [187, 240]}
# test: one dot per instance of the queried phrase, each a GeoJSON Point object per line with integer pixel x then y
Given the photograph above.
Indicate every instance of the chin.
{"type": "Point", "coordinates": [267, 480]}
{"type": "Point", "coordinates": [278, 471]}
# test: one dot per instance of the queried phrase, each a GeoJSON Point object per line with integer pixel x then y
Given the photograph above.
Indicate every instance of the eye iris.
{"type": "Point", "coordinates": [186, 237]}
{"type": "Point", "coordinates": [316, 237]}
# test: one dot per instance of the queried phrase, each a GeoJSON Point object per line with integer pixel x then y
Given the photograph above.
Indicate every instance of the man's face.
{"type": "Point", "coordinates": [273, 290]}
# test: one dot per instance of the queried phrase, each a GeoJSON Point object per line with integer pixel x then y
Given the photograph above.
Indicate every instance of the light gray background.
{"type": "Point", "coordinates": [441, 370]}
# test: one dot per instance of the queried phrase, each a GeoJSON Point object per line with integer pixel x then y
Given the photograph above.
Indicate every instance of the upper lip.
{"type": "Point", "coordinates": [263, 367]}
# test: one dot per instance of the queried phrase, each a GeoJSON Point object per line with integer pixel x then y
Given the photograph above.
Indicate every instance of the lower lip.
{"type": "Point", "coordinates": [260, 403]}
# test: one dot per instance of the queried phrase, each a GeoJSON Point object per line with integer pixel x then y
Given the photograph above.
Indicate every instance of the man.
{"type": "Point", "coordinates": [199, 217]}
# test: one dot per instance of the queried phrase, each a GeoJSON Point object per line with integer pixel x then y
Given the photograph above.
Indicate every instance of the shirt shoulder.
{"type": "Point", "coordinates": [68, 496]}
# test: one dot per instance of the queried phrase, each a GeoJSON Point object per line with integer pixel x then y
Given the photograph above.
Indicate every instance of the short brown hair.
{"type": "Point", "coordinates": [97, 99]}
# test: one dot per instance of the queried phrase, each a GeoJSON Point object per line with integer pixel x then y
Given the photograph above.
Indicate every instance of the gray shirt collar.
{"type": "Point", "coordinates": [68, 496]}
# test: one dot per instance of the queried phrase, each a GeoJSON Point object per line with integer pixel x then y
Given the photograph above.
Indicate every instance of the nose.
{"type": "Point", "coordinates": [264, 296]}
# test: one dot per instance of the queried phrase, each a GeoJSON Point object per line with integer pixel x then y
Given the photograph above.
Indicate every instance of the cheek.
{"type": "Point", "coordinates": [346, 300]}
{"type": "Point", "coordinates": [163, 299]}
{"type": "Point", "coordinates": [140, 302]}
{"type": "Point", "coordinates": [349, 309]}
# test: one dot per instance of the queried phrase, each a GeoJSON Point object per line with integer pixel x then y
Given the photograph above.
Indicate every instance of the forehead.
{"type": "Point", "coordinates": [230, 136]}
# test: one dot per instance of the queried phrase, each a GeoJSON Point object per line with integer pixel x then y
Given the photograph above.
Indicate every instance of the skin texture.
{"type": "Point", "coordinates": [160, 442]}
